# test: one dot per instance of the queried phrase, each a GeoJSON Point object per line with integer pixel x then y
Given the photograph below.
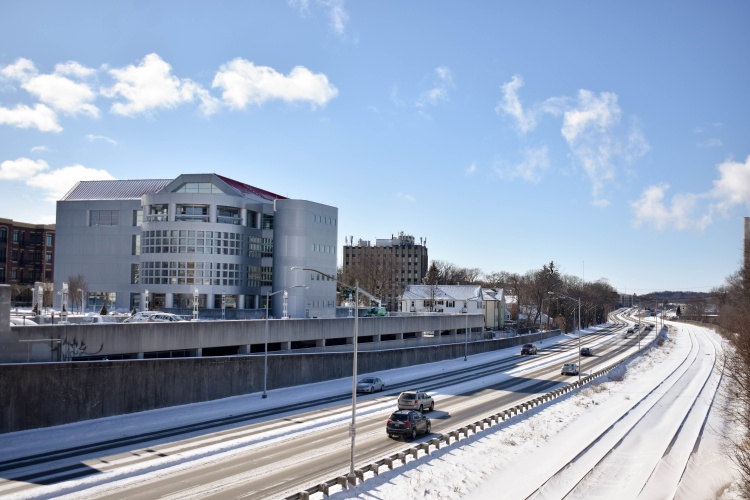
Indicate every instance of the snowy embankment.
{"type": "Point", "coordinates": [516, 459]}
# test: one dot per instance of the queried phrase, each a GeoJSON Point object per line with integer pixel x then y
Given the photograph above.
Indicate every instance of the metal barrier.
{"type": "Point", "coordinates": [434, 443]}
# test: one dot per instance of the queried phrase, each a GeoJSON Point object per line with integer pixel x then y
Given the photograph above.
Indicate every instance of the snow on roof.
{"type": "Point", "coordinates": [428, 292]}
{"type": "Point", "coordinates": [492, 294]}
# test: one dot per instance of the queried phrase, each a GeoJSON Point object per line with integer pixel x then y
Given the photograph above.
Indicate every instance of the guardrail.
{"type": "Point", "coordinates": [434, 444]}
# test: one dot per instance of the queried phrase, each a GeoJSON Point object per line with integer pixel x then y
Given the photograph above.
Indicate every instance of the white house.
{"type": "Point", "coordinates": [448, 299]}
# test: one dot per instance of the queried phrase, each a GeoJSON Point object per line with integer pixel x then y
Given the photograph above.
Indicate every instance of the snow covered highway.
{"type": "Point", "coordinates": [276, 447]}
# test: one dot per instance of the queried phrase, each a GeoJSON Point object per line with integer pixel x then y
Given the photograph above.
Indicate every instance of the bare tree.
{"type": "Point", "coordinates": [734, 320]}
{"type": "Point", "coordinates": [76, 284]}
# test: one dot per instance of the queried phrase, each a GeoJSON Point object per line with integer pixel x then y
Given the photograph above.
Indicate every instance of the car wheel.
{"type": "Point", "coordinates": [382, 388]}
{"type": "Point", "coordinates": [428, 429]}
{"type": "Point", "coordinates": [414, 433]}
{"type": "Point", "coordinates": [421, 409]}
{"type": "Point", "coordinates": [432, 406]}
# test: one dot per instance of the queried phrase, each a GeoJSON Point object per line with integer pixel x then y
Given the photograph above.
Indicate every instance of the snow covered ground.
{"type": "Point", "coordinates": [510, 460]}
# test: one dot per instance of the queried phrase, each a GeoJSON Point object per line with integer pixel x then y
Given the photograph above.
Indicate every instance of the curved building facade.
{"type": "Point", "coordinates": [165, 244]}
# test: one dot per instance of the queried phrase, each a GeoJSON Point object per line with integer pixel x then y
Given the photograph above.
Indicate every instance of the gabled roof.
{"type": "Point", "coordinates": [245, 189]}
{"type": "Point", "coordinates": [135, 189]}
{"type": "Point", "coordinates": [114, 189]}
{"type": "Point", "coordinates": [493, 294]}
{"type": "Point", "coordinates": [441, 292]}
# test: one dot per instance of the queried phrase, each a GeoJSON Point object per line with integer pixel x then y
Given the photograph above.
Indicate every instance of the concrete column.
{"type": "Point", "coordinates": [212, 213]}
{"type": "Point", "coordinates": [168, 300]}
{"type": "Point", "coordinates": [240, 301]}
{"type": "Point", "coordinates": [210, 297]}
{"type": "Point", "coordinates": [172, 211]}
{"type": "Point", "coordinates": [320, 343]}
{"type": "Point", "coordinates": [243, 216]}
{"type": "Point", "coordinates": [244, 349]}
{"type": "Point", "coordinates": [198, 352]}
{"type": "Point", "coordinates": [286, 346]}
{"type": "Point", "coordinates": [139, 355]}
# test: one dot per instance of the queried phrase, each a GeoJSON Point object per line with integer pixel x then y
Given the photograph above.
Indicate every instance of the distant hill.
{"type": "Point", "coordinates": [671, 296]}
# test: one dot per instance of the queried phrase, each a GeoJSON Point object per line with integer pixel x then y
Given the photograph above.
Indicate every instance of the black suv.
{"type": "Point", "coordinates": [586, 351]}
{"type": "Point", "coordinates": [528, 349]}
{"type": "Point", "coordinates": [407, 423]}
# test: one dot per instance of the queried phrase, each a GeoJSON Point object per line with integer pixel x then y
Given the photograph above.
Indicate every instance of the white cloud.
{"type": "Point", "coordinates": [439, 91]}
{"type": "Point", "coordinates": [58, 182]}
{"type": "Point", "coordinates": [151, 85]}
{"type": "Point", "coordinates": [40, 117]}
{"type": "Point", "coordinates": [56, 92]}
{"type": "Point", "coordinates": [406, 197]}
{"type": "Point", "coordinates": [337, 16]}
{"type": "Point", "coordinates": [21, 169]}
{"type": "Point", "coordinates": [471, 169]}
{"type": "Point", "coordinates": [695, 211]}
{"type": "Point", "coordinates": [590, 126]}
{"type": "Point", "coordinates": [733, 185]}
{"type": "Point", "coordinates": [39, 149]}
{"type": "Point", "coordinates": [243, 83]}
{"type": "Point", "coordinates": [92, 138]}
{"type": "Point", "coordinates": [511, 105]}
{"type": "Point", "coordinates": [21, 70]}
{"type": "Point", "coordinates": [334, 10]}
{"type": "Point", "coordinates": [63, 94]}
{"type": "Point", "coordinates": [652, 209]}
{"type": "Point", "coordinates": [529, 169]}
{"type": "Point", "coordinates": [592, 113]}
{"type": "Point", "coordinates": [73, 68]}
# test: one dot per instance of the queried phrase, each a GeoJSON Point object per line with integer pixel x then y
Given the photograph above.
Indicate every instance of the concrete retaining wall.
{"type": "Point", "coordinates": [45, 394]}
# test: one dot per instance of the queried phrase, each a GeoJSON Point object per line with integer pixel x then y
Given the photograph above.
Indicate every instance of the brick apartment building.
{"type": "Point", "coordinates": [26, 256]}
{"type": "Point", "coordinates": [401, 256]}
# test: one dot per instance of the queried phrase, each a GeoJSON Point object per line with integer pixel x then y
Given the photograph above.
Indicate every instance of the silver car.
{"type": "Point", "coordinates": [370, 385]}
{"type": "Point", "coordinates": [415, 400]}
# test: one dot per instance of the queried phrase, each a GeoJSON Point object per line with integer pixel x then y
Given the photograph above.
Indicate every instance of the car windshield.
{"type": "Point", "coordinates": [367, 381]}
{"type": "Point", "coordinates": [527, 346]}
{"type": "Point", "coordinates": [401, 417]}
{"type": "Point", "coordinates": [408, 395]}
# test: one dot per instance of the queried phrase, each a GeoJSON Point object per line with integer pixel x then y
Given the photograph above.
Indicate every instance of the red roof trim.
{"type": "Point", "coordinates": [247, 189]}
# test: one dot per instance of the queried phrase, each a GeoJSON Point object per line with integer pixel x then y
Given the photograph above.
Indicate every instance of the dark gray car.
{"type": "Point", "coordinates": [407, 423]}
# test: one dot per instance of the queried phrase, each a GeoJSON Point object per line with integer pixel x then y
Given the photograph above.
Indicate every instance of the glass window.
{"type": "Point", "coordinates": [3, 235]}
{"type": "Point", "coordinates": [49, 239]}
{"type": "Point", "coordinates": [104, 217]}
{"type": "Point", "coordinates": [198, 187]}
{"type": "Point", "coordinates": [267, 222]}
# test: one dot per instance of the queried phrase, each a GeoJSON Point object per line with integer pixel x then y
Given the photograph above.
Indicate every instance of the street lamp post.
{"type": "Point", "coordinates": [83, 304]}
{"type": "Point", "coordinates": [466, 331]}
{"type": "Point", "coordinates": [265, 349]}
{"type": "Point", "coordinates": [353, 426]}
{"type": "Point", "coordinates": [64, 308]}
{"type": "Point", "coordinates": [195, 304]}
{"type": "Point", "coordinates": [579, 328]}
{"type": "Point", "coordinates": [541, 313]}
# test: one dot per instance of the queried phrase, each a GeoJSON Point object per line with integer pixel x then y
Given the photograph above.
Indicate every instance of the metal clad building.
{"type": "Point", "coordinates": [160, 242]}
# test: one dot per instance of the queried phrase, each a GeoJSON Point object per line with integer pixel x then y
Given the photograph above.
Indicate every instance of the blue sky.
{"type": "Point", "coordinates": [609, 138]}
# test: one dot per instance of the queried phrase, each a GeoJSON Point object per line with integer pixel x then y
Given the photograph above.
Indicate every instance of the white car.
{"type": "Point", "coordinates": [153, 317]}
{"type": "Point", "coordinates": [569, 369]}
{"type": "Point", "coordinates": [16, 321]}
{"type": "Point", "coordinates": [370, 385]}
